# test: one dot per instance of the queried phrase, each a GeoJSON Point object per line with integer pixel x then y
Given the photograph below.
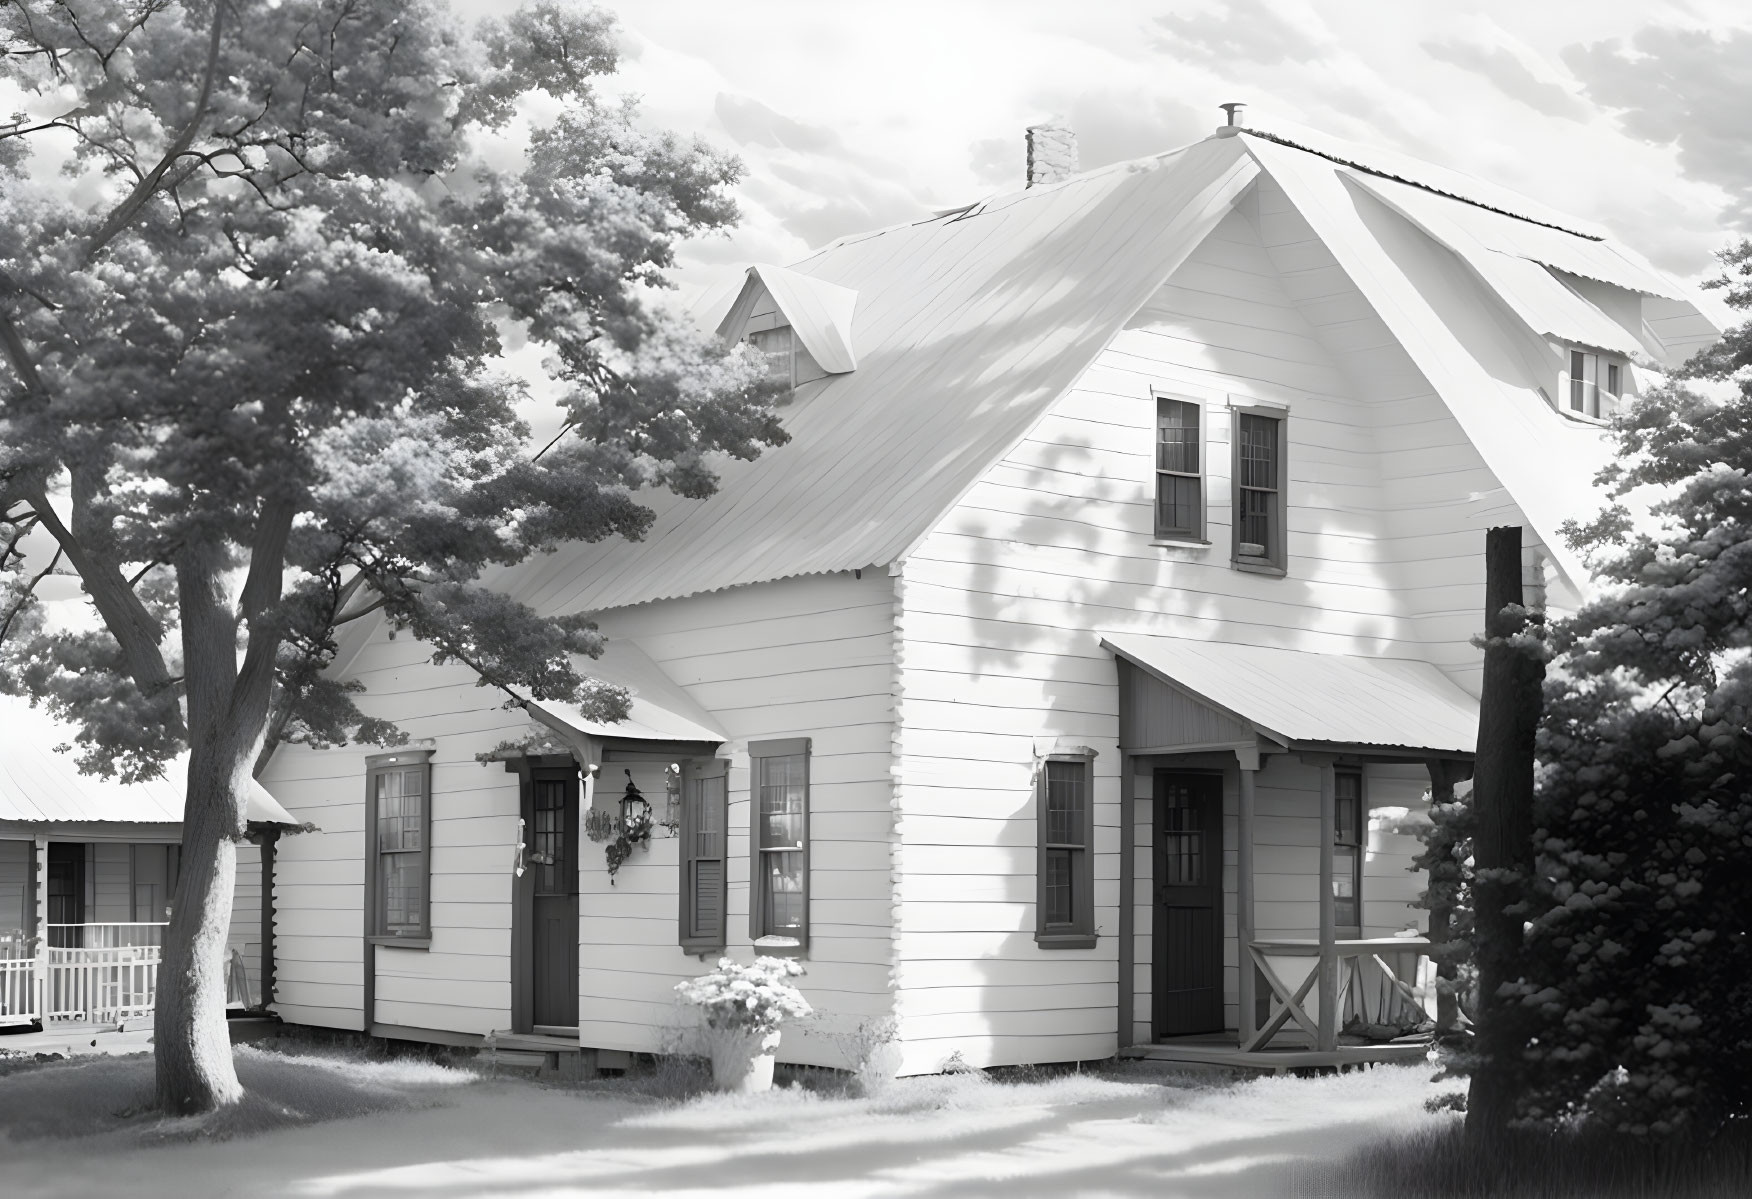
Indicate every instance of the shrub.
{"type": "Point", "coordinates": [755, 998]}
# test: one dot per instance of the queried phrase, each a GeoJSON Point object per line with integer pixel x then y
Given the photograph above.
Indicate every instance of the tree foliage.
{"type": "Point", "coordinates": [1638, 966]}
{"type": "Point", "coordinates": [266, 321]}
{"type": "Point", "coordinates": [250, 382]}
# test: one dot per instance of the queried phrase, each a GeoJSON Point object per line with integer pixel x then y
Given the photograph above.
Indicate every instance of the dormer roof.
{"type": "Point", "coordinates": [820, 313]}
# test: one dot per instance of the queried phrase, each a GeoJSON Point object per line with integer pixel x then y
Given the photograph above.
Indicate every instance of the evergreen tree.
{"type": "Point", "coordinates": [1639, 967]}
{"type": "Point", "coordinates": [249, 389]}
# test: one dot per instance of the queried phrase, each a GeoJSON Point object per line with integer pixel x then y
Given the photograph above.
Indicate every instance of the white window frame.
{"type": "Point", "coordinates": [1162, 535]}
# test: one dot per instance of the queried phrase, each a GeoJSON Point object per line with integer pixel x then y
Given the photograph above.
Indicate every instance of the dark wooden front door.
{"type": "Point", "coordinates": [553, 846]}
{"type": "Point", "coordinates": [1188, 983]}
{"type": "Point", "coordinates": [66, 892]}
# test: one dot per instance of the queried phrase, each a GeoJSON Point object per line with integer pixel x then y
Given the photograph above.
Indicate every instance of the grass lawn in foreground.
{"type": "Point", "coordinates": [325, 1125]}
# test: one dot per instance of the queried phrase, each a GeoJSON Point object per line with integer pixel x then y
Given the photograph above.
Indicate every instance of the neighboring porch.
{"type": "Point", "coordinates": [1266, 920]}
{"type": "Point", "coordinates": [82, 930]}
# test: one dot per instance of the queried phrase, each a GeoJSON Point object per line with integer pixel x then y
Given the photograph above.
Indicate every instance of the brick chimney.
{"type": "Point", "coordinates": [1052, 152]}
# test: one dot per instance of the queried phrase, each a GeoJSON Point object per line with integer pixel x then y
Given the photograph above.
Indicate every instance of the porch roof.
{"type": "Point", "coordinates": [1309, 700]}
{"type": "Point", "coordinates": [38, 785]}
{"type": "Point", "coordinates": [660, 709]}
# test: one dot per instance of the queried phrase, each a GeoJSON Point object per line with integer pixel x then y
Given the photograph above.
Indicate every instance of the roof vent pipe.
{"type": "Point", "coordinates": [1233, 125]}
{"type": "Point", "coordinates": [1052, 152]}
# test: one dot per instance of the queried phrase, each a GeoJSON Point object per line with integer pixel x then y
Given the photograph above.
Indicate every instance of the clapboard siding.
{"type": "Point", "coordinates": [809, 657]}
{"type": "Point", "coordinates": [1004, 602]}
{"type": "Point", "coordinates": [462, 983]}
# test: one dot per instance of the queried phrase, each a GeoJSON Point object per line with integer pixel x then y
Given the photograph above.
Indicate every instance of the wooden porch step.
{"type": "Point", "coordinates": [505, 1039]}
{"type": "Point", "coordinates": [1207, 1052]}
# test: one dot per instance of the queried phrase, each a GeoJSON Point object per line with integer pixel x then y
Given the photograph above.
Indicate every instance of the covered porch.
{"type": "Point", "coordinates": [1266, 919]}
{"type": "Point", "coordinates": [88, 871]}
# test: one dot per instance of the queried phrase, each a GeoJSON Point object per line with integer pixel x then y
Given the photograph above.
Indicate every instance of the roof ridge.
{"type": "Point", "coordinates": [1380, 173]}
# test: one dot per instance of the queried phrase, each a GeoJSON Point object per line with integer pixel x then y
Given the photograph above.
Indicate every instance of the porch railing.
{"type": "Point", "coordinates": [1380, 983]}
{"type": "Point", "coordinates": [102, 985]}
{"type": "Point", "coordinates": [102, 973]}
{"type": "Point", "coordinates": [93, 973]}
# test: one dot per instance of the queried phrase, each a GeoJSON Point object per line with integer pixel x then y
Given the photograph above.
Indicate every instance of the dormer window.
{"type": "Point", "coordinates": [1594, 384]}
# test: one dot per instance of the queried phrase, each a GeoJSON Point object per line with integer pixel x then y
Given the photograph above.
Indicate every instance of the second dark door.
{"type": "Point", "coordinates": [554, 909]}
{"type": "Point", "coordinates": [1188, 861]}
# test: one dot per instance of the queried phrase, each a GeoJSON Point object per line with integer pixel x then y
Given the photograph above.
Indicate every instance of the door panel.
{"type": "Point", "coordinates": [1188, 862]}
{"type": "Point", "coordinates": [554, 858]}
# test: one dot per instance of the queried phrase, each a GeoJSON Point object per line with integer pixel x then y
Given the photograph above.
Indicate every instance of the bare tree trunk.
{"type": "Point", "coordinates": [1502, 797]}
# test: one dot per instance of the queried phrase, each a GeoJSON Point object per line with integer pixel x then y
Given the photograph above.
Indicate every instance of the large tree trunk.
{"type": "Point", "coordinates": [192, 1045]}
{"type": "Point", "coordinates": [1502, 797]}
{"type": "Point", "coordinates": [226, 718]}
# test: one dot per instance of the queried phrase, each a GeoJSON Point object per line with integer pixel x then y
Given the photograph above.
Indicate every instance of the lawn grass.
{"type": "Point", "coordinates": [1437, 1163]}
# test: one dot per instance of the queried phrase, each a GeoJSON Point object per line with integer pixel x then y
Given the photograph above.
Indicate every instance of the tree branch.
{"type": "Point", "coordinates": [25, 595]}
{"type": "Point", "coordinates": [127, 619]}
{"type": "Point", "coordinates": [136, 199]}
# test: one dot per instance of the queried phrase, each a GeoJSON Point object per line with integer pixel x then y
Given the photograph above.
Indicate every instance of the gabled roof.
{"type": "Point", "coordinates": [38, 785]}
{"type": "Point", "coordinates": [821, 313]}
{"type": "Point", "coordinates": [968, 326]}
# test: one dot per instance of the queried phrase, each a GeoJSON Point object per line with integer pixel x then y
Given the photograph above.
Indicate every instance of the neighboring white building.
{"type": "Point", "coordinates": [1125, 554]}
{"type": "Point", "coordinates": [88, 868]}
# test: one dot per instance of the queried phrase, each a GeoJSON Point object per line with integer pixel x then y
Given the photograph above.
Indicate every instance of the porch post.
{"type": "Point", "coordinates": [1127, 898]}
{"type": "Point", "coordinates": [1328, 984]}
{"type": "Point", "coordinates": [42, 929]}
{"type": "Point", "coordinates": [1248, 760]}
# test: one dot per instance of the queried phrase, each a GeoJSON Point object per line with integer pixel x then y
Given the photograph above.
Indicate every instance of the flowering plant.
{"type": "Point", "coordinates": [753, 998]}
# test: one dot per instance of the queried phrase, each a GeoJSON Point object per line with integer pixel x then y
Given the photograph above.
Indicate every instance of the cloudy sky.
{"type": "Point", "coordinates": [852, 114]}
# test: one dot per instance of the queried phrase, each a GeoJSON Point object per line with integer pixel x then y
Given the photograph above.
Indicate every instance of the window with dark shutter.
{"type": "Point", "coordinates": [398, 817]}
{"type": "Point", "coordinates": [1064, 902]}
{"type": "Point", "coordinates": [1179, 470]}
{"type": "Point", "coordinates": [779, 845]}
{"type": "Point", "coordinates": [704, 817]}
{"type": "Point", "coordinates": [1260, 538]}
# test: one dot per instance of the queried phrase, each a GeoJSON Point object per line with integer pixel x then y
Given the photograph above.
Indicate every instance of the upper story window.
{"type": "Point", "coordinates": [1594, 384]}
{"type": "Point", "coordinates": [1260, 536]}
{"type": "Point", "coordinates": [1179, 470]}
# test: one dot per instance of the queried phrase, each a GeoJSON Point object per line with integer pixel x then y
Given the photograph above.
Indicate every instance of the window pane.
{"type": "Point", "coordinates": [401, 890]}
{"type": "Point", "coordinates": [1612, 384]}
{"type": "Point", "coordinates": [1066, 797]}
{"type": "Point", "coordinates": [1259, 452]}
{"type": "Point", "coordinates": [1345, 859]}
{"type": "Point", "coordinates": [1578, 380]}
{"type": "Point", "coordinates": [1056, 887]}
{"type": "Point", "coordinates": [781, 801]}
{"type": "Point", "coordinates": [1347, 810]}
{"type": "Point", "coordinates": [784, 891]}
{"type": "Point", "coordinates": [1177, 506]}
{"type": "Point", "coordinates": [1176, 436]}
{"type": "Point", "coordinates": [1183, 847]}
{"type": "Point", "coordinates": [1258, 509]}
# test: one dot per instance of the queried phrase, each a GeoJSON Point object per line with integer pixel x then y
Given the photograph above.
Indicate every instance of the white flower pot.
{"type": "Point", "coordinates": [742, 1059]}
